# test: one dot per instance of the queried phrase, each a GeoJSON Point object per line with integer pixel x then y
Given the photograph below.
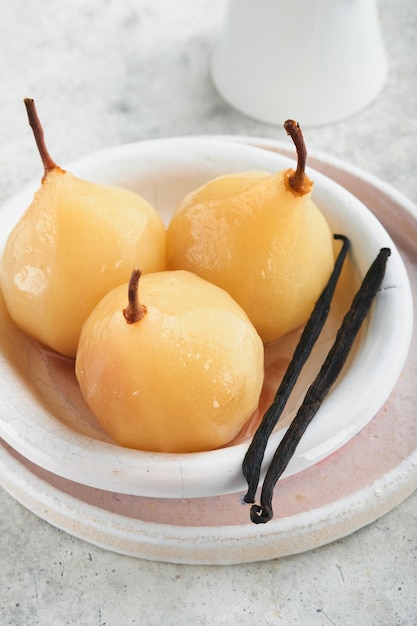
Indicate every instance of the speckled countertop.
{"type": "Point", "coordinates": [106, 73]}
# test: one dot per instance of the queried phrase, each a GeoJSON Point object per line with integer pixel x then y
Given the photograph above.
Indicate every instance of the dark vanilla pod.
{"type": "Point", "coordinates": [252, 462]}
{"type": "Point", "coordinates": [318, 390]}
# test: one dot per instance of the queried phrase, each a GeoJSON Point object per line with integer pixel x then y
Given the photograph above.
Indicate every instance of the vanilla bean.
{"type": "Point", "coordinates": [328, 374]}
{"type": "Point", "coordinates": [252, 462]}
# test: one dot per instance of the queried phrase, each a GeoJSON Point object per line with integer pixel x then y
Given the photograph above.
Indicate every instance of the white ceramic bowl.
{"type": "Point", "coordinates": [43, 416]}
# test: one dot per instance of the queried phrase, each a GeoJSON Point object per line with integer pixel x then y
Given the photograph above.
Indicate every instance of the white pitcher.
{"type": "Point", "coordinates": [316, 61]}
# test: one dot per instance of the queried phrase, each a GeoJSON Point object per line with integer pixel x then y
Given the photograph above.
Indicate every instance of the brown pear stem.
{"type": "Point", "coordinates": [135, 310]}
{"type": "Point", "coordinates": [297, 181]}
{"type": "Point", "coordinates": [47, 161]}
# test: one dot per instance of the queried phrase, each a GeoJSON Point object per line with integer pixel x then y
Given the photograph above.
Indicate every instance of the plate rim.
{"type": "Point", "coordinates": [362, 507]}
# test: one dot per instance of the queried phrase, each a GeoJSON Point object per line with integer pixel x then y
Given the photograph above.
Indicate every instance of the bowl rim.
{"type": "Point", "coordinates": [55, 447]}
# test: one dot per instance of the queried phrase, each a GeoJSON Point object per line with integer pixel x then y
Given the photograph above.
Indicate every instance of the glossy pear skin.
{"type": "Point", "coordinates": [184, 378]}
{"type": "Point", "coordinates": [76, 241]}
{"type": "Point", "coordinates": [271, 249]}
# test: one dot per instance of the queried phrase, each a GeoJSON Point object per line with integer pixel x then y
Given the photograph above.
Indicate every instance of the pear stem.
{"type": "Point", "coordinates": [47, 161]}
{"type": "Point", "coordinates": [297, 180]}
{"type": "Point", "coordinates": [135, 310]}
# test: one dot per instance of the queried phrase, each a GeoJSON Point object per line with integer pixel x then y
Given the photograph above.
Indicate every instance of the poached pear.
{"type": "Point", "coordinates": [75, 242]}
{"type": "Point", "coordinates": [181, 368]}
{"type": "Point", "coordinates": [260, 237]}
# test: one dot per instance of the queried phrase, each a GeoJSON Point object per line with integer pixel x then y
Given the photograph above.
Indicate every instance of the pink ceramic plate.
{"type": "Point", "coordinates": [352, 487]}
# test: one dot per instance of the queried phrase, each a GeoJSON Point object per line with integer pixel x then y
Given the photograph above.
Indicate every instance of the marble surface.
{"type": "Point", "coordinates": [105, 73]}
